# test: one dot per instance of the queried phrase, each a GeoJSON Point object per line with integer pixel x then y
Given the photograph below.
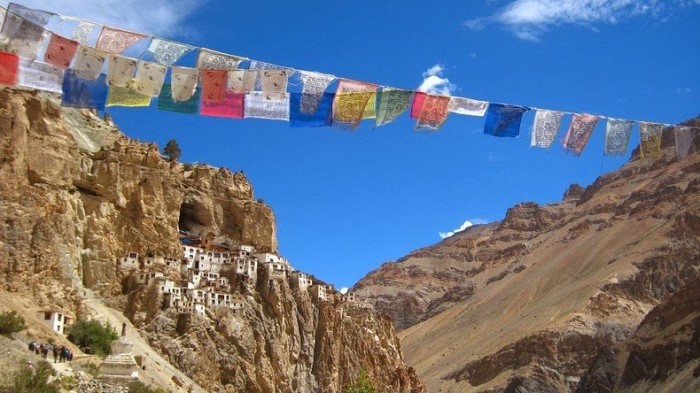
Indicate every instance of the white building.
{"type": "Point", "coordinates": [349, 297]}
{"type": "Point", "coordinates": [242, 251]}
{"type": "Point", "coordinates": [212, 261]}
{"type": "Point", "coordinates": [55, 320]}
{"type": "Point", "coordinates": [267, 257]}
{"type": "Point", "coordinates": [300, 280]}
{"type": "Point", "coordinates": [318, 292]}
{"type": "Point", "coordinates": [248, 268]}
{"type": "Point", "coordinates": [129, 262]}
{"type": "Point", "coordinates": [191, 253]}
{"type": "Point", "coordinates": [145, 278]}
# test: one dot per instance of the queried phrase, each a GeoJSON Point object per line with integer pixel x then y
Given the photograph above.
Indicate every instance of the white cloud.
{"type": "Point", "coordinates": [344, 290]}
{"type": "Point", "coordinates": [530, 19]}
{"type": "Point", "coordinates": [465, 225]}
{"type": "Point", "coordinates": [156, 17]}
{"type": "Point", "coordinates": [434, 83]}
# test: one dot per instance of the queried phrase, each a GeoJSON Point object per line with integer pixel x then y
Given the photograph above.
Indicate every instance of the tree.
{"type": "Point", "coordinates": [362, 384]}
{"type": "Point", "coordinates": [10, 322]}
{"type": "Point", "coordinates": [93, 334]}
{"type": "Point", "coordinates": [172, 150]}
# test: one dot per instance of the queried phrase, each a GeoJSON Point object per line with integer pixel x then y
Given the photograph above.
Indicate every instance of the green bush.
{"type": "Point", "coordinates": [33, 381]}
{"type": "Point", "coordinates": [93, 334]}
{"type": "Point", "coordinates": [10, 322]}
{"type": "Point", "coordinates": [362, 384]}
{"type": "Point", "coordinates": [140, 387]}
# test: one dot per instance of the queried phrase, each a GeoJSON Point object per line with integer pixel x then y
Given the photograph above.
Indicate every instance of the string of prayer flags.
{"type": "Point", "coordinates": [650, 139]}
{"type": "Point", "coordinates": [545, 127]}
{"type": "Point", "coordinates": [504, 120]}
{"type": "Point", "coordinates": [88, 62]}
{"type": "Point", "coordinates": [40, 76]}
{"type": "Point", "coordinates": [314, 85]}
{"type": "Point", "coordinates": [319, 118]}
{"type": "Point", "coordinates": [212, 60]}
{"type": "Point", "coordinates": [579, 132]}
{"type": "Point", "coordinates": [230, 106]}
{"type": "Point", "coordinates": [84, 93]}
{"type": "Point", "coordinates": [274, 84]}
{"type": "Point", "coordinates": [26, 40]}
{"type": "Point", "coordinates": [258, 105]}
{"type": "Point", "coordinates": [467, 106]}
{"type": "Point", "coordinates": [684, 137]}
{"type": "Point", "coordinates": [183, 83]}
{"type": "Point", "coordinates": [417, 105]}
{"type": "Point", "coordinates": [433, 112]}
{"type": "Point", "coordinates": [9, 68]}
{"type": "Point", "coordinates": [150, 78]}
{"type": "Point", "coordinates": [213, 86]}
{"type": "Point", "coordinates": [392, 103]}
{"type": "Point", "coordinates": [350, 101]}
{"type": "Point", "coordinates": [60, 51]}
{"type": "Point", "coordinates": [127, 96]}
{"type": "Point", "coordinates": [241, 81]}
{"type": "Point", "coordinates": [190, 104]}
{"type": "Point", "coordinates": [166, 52]}
{"type": "Point", "coordinates": [37, 17]}
{"type": "Point", "coordinates": [617, 136]}
{"type": "Point", "coordinates": [117, 41]}
{"type": "Point", "coordinates": [120, 70]}
{"type": "Point", "coordinates": [255, 65]}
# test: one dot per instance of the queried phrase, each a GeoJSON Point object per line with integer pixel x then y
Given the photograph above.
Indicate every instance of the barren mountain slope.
{"type": "Point", "coordinates": [532, 300]}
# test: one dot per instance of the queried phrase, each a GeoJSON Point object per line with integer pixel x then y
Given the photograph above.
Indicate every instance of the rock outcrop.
{"type": "Point", "coordinates": [556, 292]}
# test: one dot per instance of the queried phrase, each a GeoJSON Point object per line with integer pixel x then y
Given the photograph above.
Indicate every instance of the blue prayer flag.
{"type": "Point", "coordinates": [320, 118]}
{"type": "Point", "coordinates": [166, 102]}
{"type": "Point", "coordinates": [504, 120]}
{"type": "Point", "coordinates": [84, 93]}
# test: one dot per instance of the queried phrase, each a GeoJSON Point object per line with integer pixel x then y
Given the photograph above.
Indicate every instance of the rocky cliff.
{"type": "Point", "coordinates": [76, 194]}
{"type": "Point", "coordinates": [532, 302]}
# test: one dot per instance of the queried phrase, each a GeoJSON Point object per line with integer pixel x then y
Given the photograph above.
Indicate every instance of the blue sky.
{"type": "Point", "coordinates": [345, 202]}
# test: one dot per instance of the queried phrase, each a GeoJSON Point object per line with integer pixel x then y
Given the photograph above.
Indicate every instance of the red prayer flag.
{"type": "Point", "coordinates": [213, 86]}
{"type": "Point", "coordinates": [60, 51]}
{"type": "Point", "coordinates": [418, 102]}
{"type": "Point", "coordinates": [9, 68]}
{"type": "Point", "coordinates": [230, 106]}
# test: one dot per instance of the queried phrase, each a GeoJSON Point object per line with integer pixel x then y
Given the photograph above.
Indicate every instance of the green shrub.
{"type": "Point", "coordinates": [93, 334]}
{"type": "Point", "coordinates": [10, 322]}
{"type": "Point", "coordinates": [140, 387]}
{"type": "Point", "coordinates": [33, 381]}
{"type": "Point", "coordinates": [362, 384]}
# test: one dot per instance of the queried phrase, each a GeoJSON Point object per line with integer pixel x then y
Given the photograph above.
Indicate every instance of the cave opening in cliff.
{"type": "Point", "coordinates": [192, 217]}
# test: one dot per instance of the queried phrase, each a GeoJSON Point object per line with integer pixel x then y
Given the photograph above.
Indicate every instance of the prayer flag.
{"type": "Point", "coordinates": [40, 76]}
{"type": "Point", "coordinates": [314, 85]}
{"type": "Point", "coordinates": [9, 68]}
{"type": "Point", "coordinates": [84, 93]}
{"type": "Point", "coordinates": [213, 86]}
{"type": "Point", "coordinates": [259, 106]}
{"type": "Point", "coordinates": [37, 17]}
{"type": "Point", "coordinates": [213, 60]}
{"type": "Point", "coordinates": [684, 140]}
{"type": "Point", "coordinates": [10, 26]}
{"type": "Point", "coordinates": [350, 102]}
{"type": "Point", "coordinates": [167, 52]}
{"type": "Point", "coordinates": [189, 105]}
{"type": "Point", "coordinates": [117, 41]}
{"type": "Point", "coordinates": [241, 81]}
{"type": "Point", "coordinates": [579, 132]}
{"type": "Point", "coordinates": [467, 106]}
{"type": "Point", "coordinates": [127, 96]}
{"type": "Point", "coordinates": [88, 62]}
{"type": "Point", "coordinates": [150, 78]}
{"type": "Point", "coordinates": [319, 118]}
{"type": "Point", "coordinates": [120, 70]}
{"type": "Point", "coordinates": [60, 51]}
{"type": "Point", "coordinates": [504, 120]}
{"type": "Point", "coordinates": [274, 84]}
{"type": "Point", "coordinates": [26, 40]}
{"type": "Point", "coordinates": [417, 105]}
{"type": "Point", "coordinates": [83, 31]}
{"type": "Point", "coordinates": [183, 83]}
{"type": "Point", "coordinates": [392, 103]}
{"type": "Point", "coordinates": [370, 111]}
{"type": "Point", "coordinates": [545, 127]}
{"type": "Point", "coordinates": [3, 12]}
{"type": "Point", "coordinates": [262, 66]}
{"type": "Point", "coordinates": [230, 106]}
{"type": "Point", "coordinates": [617, 136]}
{"type": "Point", "coordinates": [650, 139]}
{"type": "Point", "coordinates": [433, 112]}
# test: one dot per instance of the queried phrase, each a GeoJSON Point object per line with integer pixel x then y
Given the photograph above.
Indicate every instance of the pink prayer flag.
{"type": "Point", "coordinates": [60, 51]}
{"type": "Point", "coordinates": [231, 106]}
{"type": "Point", "coordinates": [579, 132]}
{"type": "Point", "coordinates": [418, 102]}
{"type": "Point", "coordinates": [116, 41]}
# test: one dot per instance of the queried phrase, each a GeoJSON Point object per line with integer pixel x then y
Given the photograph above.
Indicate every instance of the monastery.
{"type": "Point", "coordinates": [201, 287]}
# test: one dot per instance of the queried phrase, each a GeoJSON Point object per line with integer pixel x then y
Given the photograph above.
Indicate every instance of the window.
{"type": "Point", "coordinates": [47, 316]}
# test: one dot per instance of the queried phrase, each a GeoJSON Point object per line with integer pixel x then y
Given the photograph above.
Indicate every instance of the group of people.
{"type": "Point", "coordinates": [60, 354]}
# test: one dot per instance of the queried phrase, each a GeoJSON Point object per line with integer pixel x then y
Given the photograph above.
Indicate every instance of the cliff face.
{"type": "Point", "coordinates": [530, 303]}
{"type": "Point", "coordinates": [76, 194]}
